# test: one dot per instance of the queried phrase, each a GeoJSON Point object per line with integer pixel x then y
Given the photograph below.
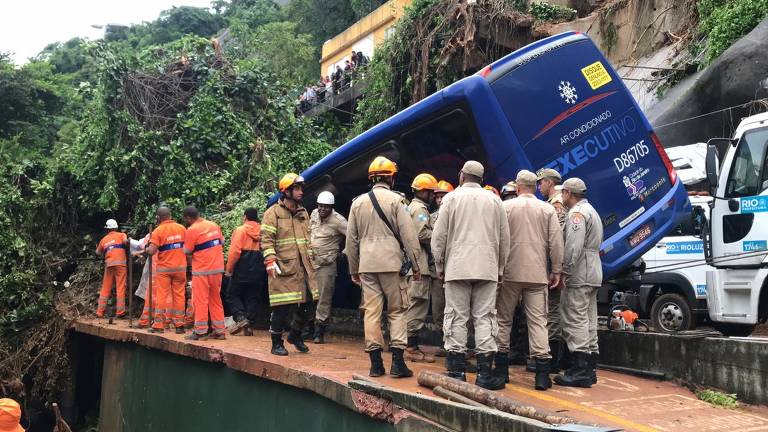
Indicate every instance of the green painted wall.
{"type": "Point", "coordinates": [145, 390]}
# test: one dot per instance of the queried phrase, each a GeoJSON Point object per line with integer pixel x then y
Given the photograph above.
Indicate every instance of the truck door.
{"type": "Point", "coordinates": [740, 221]}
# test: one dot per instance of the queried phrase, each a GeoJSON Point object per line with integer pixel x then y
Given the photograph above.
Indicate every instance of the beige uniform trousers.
{"type": "Point", "coordinates": [535, 305]}
{"type": "Point", "coordinates": [578, 311]}
{"type": "Point", "coordinates": [553, 316]}
{"type": "Point", "coordinates": [418, 303]}
{"type": "Point", "coordinates": [326, 283]}
{"type": "Point", "coordinates": [437, 294]}
{"type": "Point", "coordinates": [475, 299]}
{"type": "Point", "coordinates": [377, 287]}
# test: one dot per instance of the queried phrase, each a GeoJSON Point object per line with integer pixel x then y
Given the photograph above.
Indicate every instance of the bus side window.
{"type": "Point", "coordinates": [441, 146]}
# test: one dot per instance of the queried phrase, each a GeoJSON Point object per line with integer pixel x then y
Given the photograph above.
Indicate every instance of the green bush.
{"type": "Point", "coordinates": [725, 21]}
{"type": "Point", "coordinates": [550, 12]}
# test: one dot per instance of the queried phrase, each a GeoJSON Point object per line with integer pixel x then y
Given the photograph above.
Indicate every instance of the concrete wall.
{"type": "Point", "coordinates": [732, 365]}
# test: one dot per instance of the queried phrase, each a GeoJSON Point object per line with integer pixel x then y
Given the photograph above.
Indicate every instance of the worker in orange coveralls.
{"type": "Point", "coordinates": [204, 242]}
{"type": "Point", "coordinates": [166, 244]}
{"type": "Point", "coordinates": [10, 416]}
{"type": "Point", "coordinates": [112, 247]}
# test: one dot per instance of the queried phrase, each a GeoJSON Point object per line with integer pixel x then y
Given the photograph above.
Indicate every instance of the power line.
{"type": "Point", "coordinates": [744, 105]}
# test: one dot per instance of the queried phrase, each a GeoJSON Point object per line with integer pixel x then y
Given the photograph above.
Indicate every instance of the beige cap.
{"type": "Point", "coordinates": [474, 168]}
{"type": "Point", "coordinates": [525, 177]}
{"type": "Point", "coordinates": [575, 185]}
{"type": "Point", "coordinates": [548, 173]}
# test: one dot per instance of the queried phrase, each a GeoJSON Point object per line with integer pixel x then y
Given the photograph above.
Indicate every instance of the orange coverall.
{"type": "Point", "coordinates": [204, 242]}
{"type": "Point", "coordinates": [112, 246]}
{"type": "Point", "coordinates": [171, 274]}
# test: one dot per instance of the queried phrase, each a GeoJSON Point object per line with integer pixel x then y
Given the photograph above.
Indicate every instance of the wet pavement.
{"type": "Point", "coordinates": [628, 402]}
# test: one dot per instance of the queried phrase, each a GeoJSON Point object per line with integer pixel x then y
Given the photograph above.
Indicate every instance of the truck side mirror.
{"type": "Point", "coordinates": [698, 219]}
{"type": "Point", "coordinates": [712, 168]}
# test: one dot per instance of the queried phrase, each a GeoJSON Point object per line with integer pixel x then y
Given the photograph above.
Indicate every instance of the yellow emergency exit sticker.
{"type": "Point", "coordinates": [596, 75]}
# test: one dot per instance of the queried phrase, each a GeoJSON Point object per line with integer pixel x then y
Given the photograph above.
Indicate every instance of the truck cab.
{"type": "Point", "coordinates": [736, 235]}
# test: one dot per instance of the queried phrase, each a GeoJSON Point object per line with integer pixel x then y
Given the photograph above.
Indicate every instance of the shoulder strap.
{"type": "Point", "coordinates": [384, 219]}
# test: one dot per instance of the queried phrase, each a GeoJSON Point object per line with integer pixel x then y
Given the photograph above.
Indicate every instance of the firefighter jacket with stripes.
{"type": "Point", "coordinates": [285, 238]}
{"type": "Point", "coordinates": [205, 243]}
{"type": "Point", "coordinates": [112, 246]}
{"type": "Point", "coordinates": [169, 239]}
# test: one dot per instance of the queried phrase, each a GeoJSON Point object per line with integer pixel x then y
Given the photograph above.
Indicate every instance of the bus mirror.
{"type": "Point", "coordinates": [711, 166]}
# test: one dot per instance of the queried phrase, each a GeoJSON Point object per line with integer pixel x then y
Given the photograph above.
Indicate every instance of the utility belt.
{"type": "Point", "coordinates": [170, 246]}
{"type": "Point", "coordinates": [207, 245]}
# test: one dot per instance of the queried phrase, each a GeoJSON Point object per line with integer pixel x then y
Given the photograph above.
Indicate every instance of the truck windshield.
{"type": "Point", "coordinates": [749, 175]}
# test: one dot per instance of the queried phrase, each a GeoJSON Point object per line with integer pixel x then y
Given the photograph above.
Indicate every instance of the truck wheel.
{"type": "Point", "coordinates": [670, 313]}
{"type": "Point", "coordinates": [730, 329]}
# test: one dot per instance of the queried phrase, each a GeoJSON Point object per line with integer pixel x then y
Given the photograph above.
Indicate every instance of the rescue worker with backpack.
{"type": "Point", "coordinates": [246, 272]}
{"type": "Point", "coordinates": [287, 256]}
{"type": "Point", "coordinates": [382, 248]}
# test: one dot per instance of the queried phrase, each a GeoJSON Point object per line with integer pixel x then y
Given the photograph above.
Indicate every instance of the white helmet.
{"type": "Point", "coordinates": [326, 197]}
{"type": "Point", "coordinates": [111, 224]}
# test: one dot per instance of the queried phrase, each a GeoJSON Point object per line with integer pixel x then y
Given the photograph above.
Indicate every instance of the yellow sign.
{"type": "Point", "coordinates": [596, 75]}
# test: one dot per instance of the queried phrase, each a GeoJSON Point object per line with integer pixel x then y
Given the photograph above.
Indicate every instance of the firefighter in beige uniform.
{"type": "Point", "coordinates": [423, 186]}
{"type": "Point", "coordinates": [470, 244]}
{"type": "Point", "coordinates": [583, 274]}
{"type": "Point", "coordinates": [536, 243]}
{"type": "Point", "coordinates": [549, 181]}
{"type": "Point", "coordinates": [437, 291]}
{"type": "Point", "coordinates": [375, 262]}
{"type": "Point", "coordinates": [327, 232]}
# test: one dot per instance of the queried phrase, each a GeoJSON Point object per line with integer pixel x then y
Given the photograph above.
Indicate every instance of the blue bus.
{"type": "Point", "coordinates": [555, 103]}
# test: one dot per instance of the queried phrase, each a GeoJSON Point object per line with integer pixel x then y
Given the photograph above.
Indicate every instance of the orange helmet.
{"type": "Point", "coordinates": [492, 189]}
{"type": "Point", "coordinates": [424, 181]}
{"type": "Point", "coordinates": [289, 180]}
{"type": "Point", "coordinates": [382, 166]}
{"type": "Point", "coordinates": [443, 187]}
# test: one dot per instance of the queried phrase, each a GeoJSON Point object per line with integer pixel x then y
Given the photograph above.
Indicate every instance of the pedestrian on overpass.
{"type": "Point", "coordinates": [549, 181]}
{"type": "Point", "coordinates": [437, 291]}
{"type": "Point", "coordinates": [583, 276]}
{"type": "Point", "coordinates": [423, 187]}
{"type": "Point", "coordinates": [292, 284]}
{"type": "Point", "coordinates": [470, 243]}
{"type": "Point", "coordinates": [204, 242]}
{"type": "Point", "coordinates": [166, 245]}
{"type": "Point", "coordinates": [382, 247]}
{"type": "Point", "coordinates": [113, 248]}
{"type": "Point", "coordinates": [532, 268]}
{"type": "Point", "coordinates": [246, 272]}
{"type": "Point", "coordinates": [328, 231]}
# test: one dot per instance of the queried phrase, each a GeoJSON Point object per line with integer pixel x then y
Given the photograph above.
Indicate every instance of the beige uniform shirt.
{"type": "Point", "coordinates": [556, 199]}
{"type": "Point", "coordinates": [326, 237]}
{"type": "Point", "coordinates": [535, 237]}
{"type": "Point", "coordinates": [371, 247]}
{"type": "Point", "coordinates": [583, 235]}
{"type": "Point", "coordinates": [419, 213]}
{"type": "Point", "coordinates": [471, 237]}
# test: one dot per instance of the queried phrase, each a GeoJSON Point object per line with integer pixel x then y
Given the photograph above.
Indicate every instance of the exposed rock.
{"type": "Point", "coordinates": [737, 77]}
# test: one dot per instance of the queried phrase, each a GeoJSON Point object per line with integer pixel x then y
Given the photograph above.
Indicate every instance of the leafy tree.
{"type": "Point", "coordinates": [364, 7]}
{"type": "Point", "coordinates": [252, 13]}
{"type": "Point", "coordinates": [323, 19]}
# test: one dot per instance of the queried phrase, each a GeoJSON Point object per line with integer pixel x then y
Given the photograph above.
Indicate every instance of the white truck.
{"type": "Point", "coordinates": [715, 266]}
{"type": "Point", "coordinates": [736, 233]}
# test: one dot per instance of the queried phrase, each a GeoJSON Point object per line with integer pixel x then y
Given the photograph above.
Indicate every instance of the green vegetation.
{"type": "Point", "coordinates": [725, 21]}
{"type": "Point", "coordinates": [551, 12]}
{"type": "Point", "coordinates": [718, 398]}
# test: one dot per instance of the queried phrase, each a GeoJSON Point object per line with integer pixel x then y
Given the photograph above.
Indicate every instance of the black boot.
{"type": "Point", "coordinates": [565, 357]}
{"type": "Point", "coordinates": [456, 363]}
{"type": "Point", "coordinates": [556, 349]}
{"type": "Point", "coordinates": [593, 366]}
{"type": "Point", "coordinates": [578, 375]}
{"type": "Point", "coordinates": [294, 337]}
{"type": "Point", "coordinates": [399, 369]}
{"type": "Point", "coordinates": [530, 365]}
{"type": "Point", "coordinates": [277, 345]}
{"type": "Point", "coordinates": [501, 366]}
{"type": "Point", "coordinates": [542, 381]}
{"type": "Point", "coordinates": [377, 364]}
{"type": "Point", "coordinates": [319, 336]}
{"type": "Point", "coordinates": [485, 378]}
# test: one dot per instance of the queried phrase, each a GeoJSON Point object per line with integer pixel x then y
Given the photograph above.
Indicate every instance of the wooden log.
{"type": "Point", "coordinates": [455, 397]}
{"type": "Point", "coordinates": [490, 398]}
